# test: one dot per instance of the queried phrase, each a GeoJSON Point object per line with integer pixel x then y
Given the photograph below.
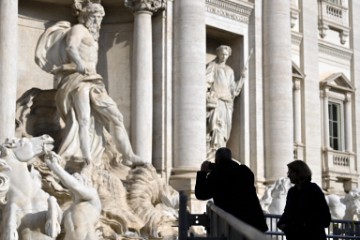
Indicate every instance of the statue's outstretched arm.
{"type": "Point", "coordinates": [74, 185]}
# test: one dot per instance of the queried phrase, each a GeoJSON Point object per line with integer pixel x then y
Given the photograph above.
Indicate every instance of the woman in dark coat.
{"type": "Point", "coordinates": [306, 213]}
{"type": "Point", "coordinates": [231, 186]}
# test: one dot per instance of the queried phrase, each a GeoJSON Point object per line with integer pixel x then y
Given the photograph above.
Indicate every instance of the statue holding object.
{"type": "Point", "coordinates": [221, 90]}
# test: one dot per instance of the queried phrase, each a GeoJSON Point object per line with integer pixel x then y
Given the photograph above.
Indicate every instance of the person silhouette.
{"type": "Point", "coordinates": [306, 213]}
{"type": "Point", "coordinates": [231, 185]}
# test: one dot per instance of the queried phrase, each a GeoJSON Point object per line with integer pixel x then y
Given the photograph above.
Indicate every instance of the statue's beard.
{"type": "Point", "coordinates": [94, 29]}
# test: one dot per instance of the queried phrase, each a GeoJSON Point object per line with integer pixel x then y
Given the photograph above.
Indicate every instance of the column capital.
{"type": "Point", "coordinates": [297, 84]}
{"type": "Point", "coordinates": [348, 97]}
{"type": "Point", "coordinates": [145, 5]}
{"type": "Point", "coordinates": [325, 92]}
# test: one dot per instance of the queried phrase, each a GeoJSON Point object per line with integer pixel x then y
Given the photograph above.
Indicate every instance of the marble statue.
{"type": "Point", "coordinates": [71, 54]}
{"type": "Point", "coordinates": [136, 201]}
{"type": "Point", "coordinates": [221, 90]}
{"type": "Point", "coordinates": [81, 217]}
{"type": "Point", "coordinates": [352, 205]}
{"type": "Point", "coordinates": [274, 199]}
{"type": "Point", "coordinates": [336, 205]}
{"type": "Point", "coordinates": [122, 196]}
{"type": "Point", "coordinates": [4, 182]}
{"type": "Point", "coordinates": [154, 200]}
{"type": "Point", "coordinates": [341, 207]}
{"type": "Point", "coordinates": [28, 212]}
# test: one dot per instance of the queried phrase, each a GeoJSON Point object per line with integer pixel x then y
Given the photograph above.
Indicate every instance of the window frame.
{"type": "Point", "coordinates": [341, 124]}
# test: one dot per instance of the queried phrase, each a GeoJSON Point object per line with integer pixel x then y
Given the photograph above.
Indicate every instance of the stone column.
{"type": "Point", "coordinates": [142, 77]}
{"type": "Point", "coordinates": [278, 99]}
{"type": "Point", "coordinates": [189, 100]}
{"type": "Point", "coordinates": [189, 84]}
{"type": "Point", "coordinates": [8, 66]}
{"type": "Point", "coordinates": [297, 111]}
{"type": "Point", "coordinates": [309, 64]}
{"type": "Point", "coordinates": [325, 95]}
{"type": "Point", "coordinates": [348, 124]}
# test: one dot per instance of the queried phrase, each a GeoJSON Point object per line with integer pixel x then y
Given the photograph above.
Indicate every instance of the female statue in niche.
{"type": "Point", "coordinates": [221, 90]}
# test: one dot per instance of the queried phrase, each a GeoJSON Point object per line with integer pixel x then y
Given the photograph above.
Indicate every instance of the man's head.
{"type": "Point", "coordinates": [91, 16]}
{"type": "Point", "coordinates": [222, 154]}
{"type": "Point", "coordinates": [223, 52]}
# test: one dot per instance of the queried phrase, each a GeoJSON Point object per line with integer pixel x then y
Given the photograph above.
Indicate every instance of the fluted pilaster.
{"type": "Point", "coordinates": [348, 123]}
{"type": "Point", "coordinates": [325, 101]}
{"type": "Point", "coordinates": [297, 111]}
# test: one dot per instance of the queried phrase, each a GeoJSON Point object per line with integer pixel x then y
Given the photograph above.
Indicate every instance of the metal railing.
{"type": "Point", "coordinates": [338, 229]}
{"type": "Point", "coordinates": [219, 224]}
{"type": "Point", "coordinates": [225, 224]}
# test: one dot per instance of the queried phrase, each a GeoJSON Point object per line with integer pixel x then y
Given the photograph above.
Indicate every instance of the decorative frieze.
{"type": "Point", "coordinates": [296, 38]}
{"type": "Point", "coordinates": [234, 10]}
{"type": "Point", "coordinates": [145, 5]}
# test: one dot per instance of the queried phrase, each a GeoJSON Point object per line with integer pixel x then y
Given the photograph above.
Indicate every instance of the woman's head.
{"type": "Point", "coordinates": [299, 172]}
{"type": "Point", "coordinates": [223, 52]}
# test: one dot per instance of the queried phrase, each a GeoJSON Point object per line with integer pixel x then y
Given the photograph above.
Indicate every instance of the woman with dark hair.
{"type": "Point", "coordinates": [306, 213]}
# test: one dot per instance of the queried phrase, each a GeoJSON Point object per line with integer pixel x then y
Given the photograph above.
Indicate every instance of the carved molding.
{"type": "Point", "coordinates": [334, 50]}
{"type": "Point", "coordinates": [296, 38]}
{"type": "Point", "coordinates": [145, 5]}
{"type": "Point", "coordinates": [294, 15]}
{"type": "Point", "coordinates": [239, 11]}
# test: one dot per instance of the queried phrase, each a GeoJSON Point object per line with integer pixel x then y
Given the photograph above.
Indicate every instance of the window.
{"type": "Point", "coordinates": [334, 125]}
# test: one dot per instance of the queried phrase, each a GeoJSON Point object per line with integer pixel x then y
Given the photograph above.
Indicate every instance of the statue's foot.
{"type": "Point", "coordinates": [134, 160]}
{"type": "Point", "coordinates": [87, 160]}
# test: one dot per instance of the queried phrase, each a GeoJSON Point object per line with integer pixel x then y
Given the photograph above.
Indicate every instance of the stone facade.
{"type": "Point", "coordinates": [299, 100]}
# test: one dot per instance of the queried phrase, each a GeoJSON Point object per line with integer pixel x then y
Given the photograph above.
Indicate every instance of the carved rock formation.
{"type": "Point", "coordinates": [136, 202]}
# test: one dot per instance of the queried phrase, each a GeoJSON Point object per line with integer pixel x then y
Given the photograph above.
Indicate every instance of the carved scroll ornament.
{"type": "Point", "coordinates": [145, 5]}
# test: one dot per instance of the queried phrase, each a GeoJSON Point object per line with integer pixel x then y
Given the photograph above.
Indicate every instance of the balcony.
{"type": "Point", "coordinates": [339, 171]}
{"type": "Point", "coordinates": [340, 162]}
{"type": "Point", "coordinates": [333, 15]}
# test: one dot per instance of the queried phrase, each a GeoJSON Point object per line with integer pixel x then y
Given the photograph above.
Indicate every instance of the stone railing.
{"type": "Point", "coordinates": [341, 162]}
{"type": "Point", "coordinates": [334, 16]}
{"type": "Point", "coordinates": [334, 12]}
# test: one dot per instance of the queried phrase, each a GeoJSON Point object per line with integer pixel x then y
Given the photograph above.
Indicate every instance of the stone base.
{"type": "Point", "coordinates": [185, 181]}
{"type": "Point", "coordinates": [337, 184]}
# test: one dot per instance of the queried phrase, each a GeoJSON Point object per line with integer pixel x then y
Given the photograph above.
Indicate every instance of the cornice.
{"type": "Point", "coordinates": [334, 50]}
{"type": "Point", "coordinates": [235, 10]}
{"type": "Point", "coordinates": [296, 38]}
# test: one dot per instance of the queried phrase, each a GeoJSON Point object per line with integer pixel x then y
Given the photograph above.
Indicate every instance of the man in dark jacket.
{"type": "Point", "coordinates": [231, 186]}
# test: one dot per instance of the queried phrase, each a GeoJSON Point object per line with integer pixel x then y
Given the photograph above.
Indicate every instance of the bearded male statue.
{"type": "Point", "coordinates": [71, 54]}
